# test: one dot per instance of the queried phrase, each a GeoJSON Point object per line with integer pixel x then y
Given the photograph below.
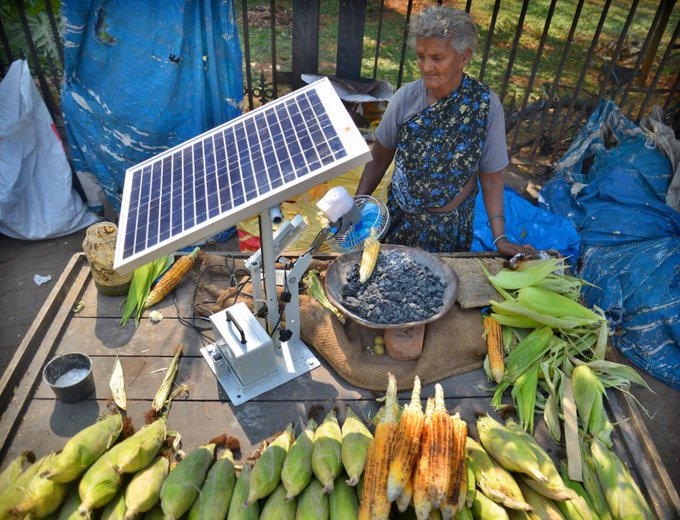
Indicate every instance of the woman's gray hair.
{"type": "Point", "coordinates": [445, 22]}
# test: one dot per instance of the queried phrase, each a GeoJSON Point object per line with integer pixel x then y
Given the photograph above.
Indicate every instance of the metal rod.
{"type": "Point", "coordinates": [655, 81]}
{"type": "Point", "coordinates": [272, 11]}
{"type": "Point", "coordinates": [404, 43]}
{"type": "Point", "coordinates": [55, 31]}
{"type": "Point", "coordinates": [246, 51]}
{"type": "Point", "coordinates": [534, 69]}
{"type": "Point", "coordinates": [556, 81]}
{"type": "Point", "coordinates": [581, 79]}
{"type": "Point", "coordinates": [489, 38]}
{"type": "Point", "coordinates": [513, 51]}
{"type": "Point", "coordinates": [377, 44]}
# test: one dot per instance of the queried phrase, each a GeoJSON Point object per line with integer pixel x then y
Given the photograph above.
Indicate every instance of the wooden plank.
{"type": "Point", "coordinates": [352, 16]}
{"type": "Point", "coordinates": [306, 16]}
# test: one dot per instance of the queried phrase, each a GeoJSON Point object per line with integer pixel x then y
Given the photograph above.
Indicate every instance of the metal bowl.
{"type": "Point", "coordinates": [339, 269]}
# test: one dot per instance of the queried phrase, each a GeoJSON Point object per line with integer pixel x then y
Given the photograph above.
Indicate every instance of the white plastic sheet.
{"type": "Point", "coordinates": [37, 199]}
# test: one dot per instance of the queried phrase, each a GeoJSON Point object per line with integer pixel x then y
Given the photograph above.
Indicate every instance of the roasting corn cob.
{"type": "Point", "coordinates": [115, 509]}
{"type": "Point", "coordinates": [144, 490]}
{"type": "Point", "coordinates": [342, 501]}
{"type": "Point", "coordinates": [276, 506]}
{"type": "Point", "coordinates": [327, 452]}
{"type": "Point", "coordinates": [171, 278]}
{"type": "Point", "coordinates": [215, 496]}
{"type": "Point", "coordinates": [83, 449]}
{"type": "Point", "coordinates": [494, 347]}
{"type": "Point", "coordinates": [421, 495]}
{"type": "Point", "coordinates": [237, 511]}
{"type": "Point", "coordinates": [312, 503]}
{"type": "Point", "coordinates": [356, 438]}
{"type": "Point", "coordinates": [369, 256]}
{"type": "Point", "coordinates": [374, 503]}
{"type": "Point", "coordinates": [297, 468]}
{"type": "Point", "coordinates": [183, 483]}
{"type": "Point", "coordinates": [406, 444]}
{"type": "Point", "coordinates": [266, 474]}
{"type": "Point", "coordinates": [441, 450]}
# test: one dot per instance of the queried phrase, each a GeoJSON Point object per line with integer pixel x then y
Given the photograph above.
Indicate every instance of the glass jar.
{"type": "Point", "coordinates": [99, 247]}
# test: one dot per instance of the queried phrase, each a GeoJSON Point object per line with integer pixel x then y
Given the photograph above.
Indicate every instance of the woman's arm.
{"type": "Point", "coordinates": [375, 170]}
{"type": "Point", "coordinates": [492, 192]}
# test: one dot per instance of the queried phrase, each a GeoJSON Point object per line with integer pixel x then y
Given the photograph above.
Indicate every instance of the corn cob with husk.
{"type": "Point", "coordinates": [266, 474]}
{"type": "Point", "coordinates": [374, 503]}
{"type": "Point", "coordinates": [457, 490]}
{"type": "Point", "coordinates": [237, 511]}
{"type": "Point", "coordinates": [485, 508]}
{"type": "Point", "coordinates": [137, 451]}
{"type": "Point", "coordinates": [297, 468]}
{"type": "Point", "coordinates": [406, 444]}
{"type": "Point", "coordinates": [543, 507]}
{"type": "Point", "coordinates": [312, 503]}
{"type": "Point", "coordinates": [183, 483]}
{"type": "Point", "coordinates": [406, 496]}
{"type": "Point", "coordinates": [327, 452]}
{"type": "Point", "coordinates": [215, 496]}
{"type": "Point", "coordinates": [171, 278]}
{"type": "Point", "coordinates": [144, 490]}
{"type": "Point", "coordinates": [369, 256]}
{"type": "Point", "coordinates": [356, 438]}
{"type": "Point", "coordinates": [493, 480]}
{"type": "Point", "coordinates": [41, 496]}
{"type": "Point", "coordinates": [315, 290]}
{"type": "Point", "coordinates": [115, 509]}
{"type": "Point", "coordinates": [69, 509]}
{"type": "Point", "coordinates": [493, 335]}
{"type": "Point", "coordinates": [276, 507]}
{"type": "Point", "coordinates": [623, 495]}
{"type": "Point", "coordinates": [421, 495]}
{"type": "Point", "coordinates": [163, 391]}
{"type": "Point", "coordinates": [592, 487]}
{"type": "Point", "coordinates": [582, 501]}
{"type": "Point", "coordinates": [156, 513]}
{"type": "Point", "coordinates": [100, 483]}
{"type": "Point", "coordinates": [83, 449]}
{"type": "Point", "coordinates": [15, 468]}
{"type": "Point", "coordinates": [588, 395]}
{"type": "Point", "coordinates": [464, 514]}
{"type": "Point", "coordinates": [441, 450]}
{"type": "Point", "coordinates": [12, 496]}
{"type": "Point", "coordinates": [470, 480]}
{"type": "Point", "coordinates": [342, 501]}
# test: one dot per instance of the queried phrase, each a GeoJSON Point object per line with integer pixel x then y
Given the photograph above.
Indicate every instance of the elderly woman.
{"type": "Point", "coordinates": [446, 129]}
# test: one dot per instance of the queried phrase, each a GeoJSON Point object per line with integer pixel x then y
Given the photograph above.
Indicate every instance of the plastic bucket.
{"type": "Point", "coordinates": [70, 377]}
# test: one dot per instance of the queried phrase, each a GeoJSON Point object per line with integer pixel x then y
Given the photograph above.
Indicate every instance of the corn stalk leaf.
{"type": "Point", "coordinates": [117, 385]}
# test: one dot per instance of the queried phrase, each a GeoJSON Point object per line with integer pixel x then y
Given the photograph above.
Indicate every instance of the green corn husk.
{"type": "Point", "coordinates": [156, 513]}
{"type": "Point", "coordinates": [312, 503]}
{"type": "Point", "coordinates": [463, 514]}
{"type": "Point", "coordinates": [589, 395]}
{"type": "Point", "coordinates": [342, 501]}
{"type": "Point", "coordinates": [577, 487]}
{"type": "Point", "coordinates": [297, 468]}
{"type": "Point", "coordinates": [356, 438]}
{"type": "Point", "coordinates": [69, 509]}
{"type": "Point", "coordinates": [137, 451]}
{"type": "Point", "coordinates": [182, 485]}
{"type": "Point", "coordinates": [266, 474]}
{"type": "Point", "coordinates": [144, 490]}
{"type": "Point", "coordinates": [524, 396]}
{"type": "Point", "coordinates": [276, 507]}
{"type": "Point", "coordinates": [623, 495]}
{"type": "Point", "coordinates": [471, 481]}
{"type": "Point", "coordinates": [494, 481]}
{"type": "Point", "coordinates": [527, 352]}
{"type": "Point", "coordinates": [115, 509]}
{"type": "Point", "coordinates": [215, 496]}
{"type": "Point", "coordinates": [544, 507]}
{"type": "Point", "coordinates": [529, 274]}
{"type": "Point", "coordinates": [592, 487]}
{"type": "Point", "coordinates": [548, 302]}
{"type": "Point", "coordinates": [99, 485]}
{"type": "Point", "coordinates": [237, 511]}
{"type": "Point", "coordinates": [39, 496]}
{"type": "Point", "coordinates": [575, 509]}
{"type": "Point", "coordinates": [486, 509]}
{"type": "Point", "coordinates": [163, 392]}
{"type": "Point", "coordinates": [15, 468]}
{"type": "Point", "coordinates": [511, 307]}
{"type": "Point", "coordinates": [11, 496]}
{"type": "Point", "coordinates": [327, 452]}
{"type": "Point", "coordinates": [83, 449]}
{"type": "Point", "coordinates": [315, 289]}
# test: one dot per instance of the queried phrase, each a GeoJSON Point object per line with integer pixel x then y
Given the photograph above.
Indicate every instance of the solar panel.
{"type": "Point", "coordinates": [234, 171]}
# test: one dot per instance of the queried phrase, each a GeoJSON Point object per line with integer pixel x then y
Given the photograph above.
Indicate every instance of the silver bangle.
{"type": "Point", "coordinates": [497, 239]}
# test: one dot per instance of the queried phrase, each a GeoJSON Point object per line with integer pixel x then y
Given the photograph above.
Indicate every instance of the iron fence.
{"type": "Point", "coordinates": [545, 102]}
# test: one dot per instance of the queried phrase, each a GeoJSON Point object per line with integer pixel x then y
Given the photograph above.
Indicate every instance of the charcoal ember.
{"type": "Point", "coordinates": [399, 291]}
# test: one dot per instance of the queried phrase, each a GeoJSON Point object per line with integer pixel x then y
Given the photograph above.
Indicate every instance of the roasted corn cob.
{"type": "Point", "coordinates": [406, 496]}
{"type": "Point", "coordinates": [297, 468]}
{"type": "Point", "coordinates": [356, 438]}
{"type": "Point", "coordinates": [421, 496]}
{"type": "Point", "coordinates": [406, 444]}
{"type": "Point", "coordinates": [327, 452]}
{"type": "Point", "coordinates": [171, 278]}
{"type": "Point", "coordinates": [494, 348]}
{"type": "Point", "coordinates": [441, 450]}
{"type": "Point", "coordinates": [457, 490]}
{"type": "Point", "coordinates": [369, 256]}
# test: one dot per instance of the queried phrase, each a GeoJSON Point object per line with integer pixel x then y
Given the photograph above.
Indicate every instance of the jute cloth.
{"type": "Point", "coordinates": [453, 344]}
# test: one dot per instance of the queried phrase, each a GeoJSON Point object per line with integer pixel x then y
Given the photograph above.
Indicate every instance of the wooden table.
{"type": "Point", "coordinates": [32, 418]}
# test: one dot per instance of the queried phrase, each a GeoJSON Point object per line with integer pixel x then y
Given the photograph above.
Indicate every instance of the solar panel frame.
{"type": "Point", "coordinates": [167, 206]}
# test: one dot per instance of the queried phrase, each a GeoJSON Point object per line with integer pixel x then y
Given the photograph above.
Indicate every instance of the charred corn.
{"type": "Point", "coordinates": [342, 501]}
{"type": "Point", "coordinates": [237, 511]}
{"type": "Point", "coordinates": [15, 468]}
{"type": "Point", "coordinates": [356, 438]}
{"type": "Point", "coordinates": [83, 449]}
{"type": "Point", "coordinates": [137, 451]}
{"type": "Point", "coordinates": [144, 490]}
{"type": "Point", "coordinates": [114, 510]}
{"type": "Point", "coordinates": [457, 490]}
{"type": "Point", "coordinates": [215, 496]}
{"type": "Point", "coordinates": [40, 496]}
{"type": "Point", "coordinates": [484, 508]}
{"type": "Point", "coordinates": [421, 495]}
{"type": "Point", "coordinates": [369, 256]}
{"type": "Point", "coordinates": [183, 483]}
{"type": "Point", "coordinates": [171, 278]}
{"type": "Point", "coordinates": [374, 503]}
{"type": "Point", "coordinates": [297, 468]}
{"type": "Point", "coordinates": [312, 503]}
{"type": "Point", "coordinates": [100, 483]}
{"type": "Point", "coordinates": [406, 496]}
{"type": "Point", "coordinates": [406, 444]}
{"type": "Point", "coordinates": [441, 450]}
{"type": "Point", "coordinates": [493, 480]}
{"type": "Point", "coordinates": [543, 507]}
{"type": "Point", "coordinates": [266, 474]}
{"type": "Point", "coordinates": [327, 452]}
{"type": "Point", "coordinates": [494, 348]}
{"type": "Point", "coordinates": [276, 507]}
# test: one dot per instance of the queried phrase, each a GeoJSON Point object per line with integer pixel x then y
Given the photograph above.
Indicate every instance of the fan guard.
{"type": "Point", "coordinates": [374, 215]}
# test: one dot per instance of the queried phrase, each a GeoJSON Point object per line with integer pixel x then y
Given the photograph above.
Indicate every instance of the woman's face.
{"type": "Point", "coordinates": [440, 64]}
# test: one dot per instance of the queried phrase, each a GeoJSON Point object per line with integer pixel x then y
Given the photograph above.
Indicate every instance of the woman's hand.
{"type": "Point", "coordinates": [507, 248]}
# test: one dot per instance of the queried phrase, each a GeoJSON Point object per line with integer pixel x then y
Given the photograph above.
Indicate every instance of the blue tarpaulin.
{"type": "Point", "coordinates": [612, 185]}
{"type": "Point", "coordinates": [141, 77]}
